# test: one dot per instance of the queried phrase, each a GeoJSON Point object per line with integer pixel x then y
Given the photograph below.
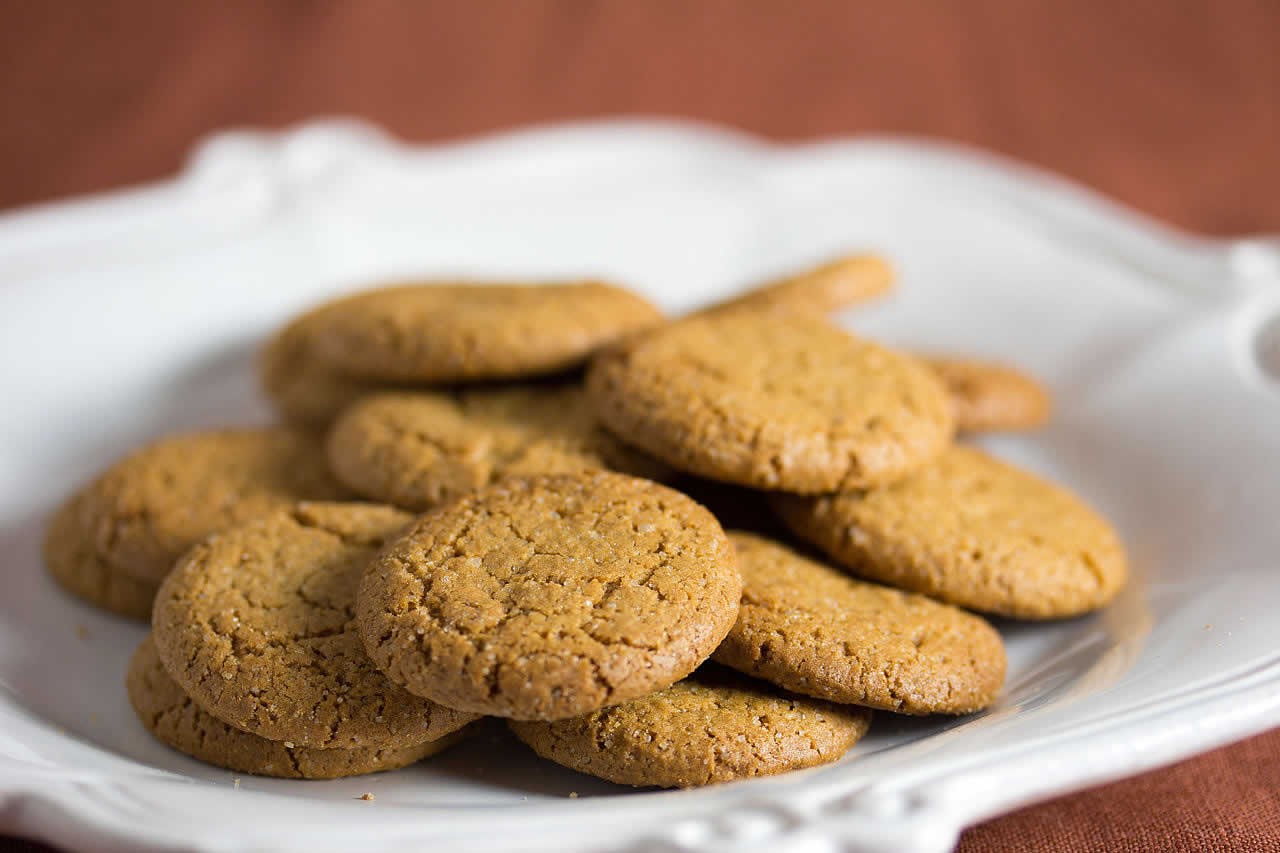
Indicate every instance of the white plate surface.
{"type": "Point", "coordinates": [137, 313]}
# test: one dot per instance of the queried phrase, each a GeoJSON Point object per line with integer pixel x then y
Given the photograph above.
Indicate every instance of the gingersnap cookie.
{"type": "Point", "coordinates": [549, 597]}
{"type": "Point", "coordinates": [179, 723]}
{"type": "Point", "coordinates": [714, 726]}
{"type": "Point", "coordinates": [811, 629]}
{"type": "Point", "coordinates": [257, 625]}
{"type": "Point", "coordinates": [300, 385]}
{"type": "Point", "coordinates": [989, 397]}
{"type": "Point", "coordinates": [772, 400]}
{"type": "Point", "coordinates": [973, 531]}
{"type": "Point", "coordinates": [148, 508]}
{"type": "Point", "coordinates": [73, 563]}
{"type": "Point", "coordinates": [418, 450]}
{"type": "Point", "coordinates": [464, 332]}
{"type": "Point", "coordinates": [825, 288]}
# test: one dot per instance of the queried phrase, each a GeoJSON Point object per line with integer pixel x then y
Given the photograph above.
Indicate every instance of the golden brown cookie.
{"type": "Point", "coordinates": [464, 332]}
{"type": "Point", "coordinates": [257, 625]}
{"type": "Point", "coordinates": [303, 388]}
{"type": "Point", "coordinates": [418, 450]}
{"type": "Point", "coordinates": [974, 531]}
{"type": "Point", "coordinates": [772, 400]}
{"type": "Point", "coordinates": [989, 397]}
{"type": "Point", "coordinates": [179, 723]}
{"type": "Point", "coordinates": [828, 287]}
{"type": "Point", "coordinates": [714, 726]}
{"type": "Point", "coordinates": [139, 516]}
{"type": "Point", "coordinates": [552, 596]}
{"type": "Point", "coordinates": [814, 630]}
{"type": "Point", "coordinates": [73, 563]}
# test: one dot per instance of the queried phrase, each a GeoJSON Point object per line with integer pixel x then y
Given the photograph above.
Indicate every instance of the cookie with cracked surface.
{"type": "Point", "coordinates": [257, 625]}
{"type": "Point", "coordinates": [814, 630]}
{"type": "Point", "coordinates": [71, 560]}
{"type": "Point", "coordinates": [714, 726]}
{"type": "Point", "coordinates": [827, 287]}
{"type": "Point", "coordinates": [990, 397]}
{"type": "Point", "coordinates": [298, 383]}
{"type": "Point", "coordinates": [973, 531]}
{"type": "Point", "coordinates": [147, 509]}
{"type": "Point", "coordinates": [179, 723]}
{"type": "Point", "coordinates": [418, 450]}
{"type": "Point", "coordinates": [459, 332]}
{"type": "Point", "coordinates": [772, 400]}
{"type": "Point", "coordinates": [549, 597]}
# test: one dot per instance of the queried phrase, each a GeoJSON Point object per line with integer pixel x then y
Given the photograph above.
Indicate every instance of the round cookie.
{"type": "Point", "coordinates": [157, 502]}
{"type": "Point", "coordinates": [989, 397]}
{"type": "Point", "coordinates": [825, 288]}
{"type": "Point", "coordinates": [974, 531]}
{"type": "Point", "coordinates": [811, 629]}
{"type": "Point", "coordinates": [418, 450]}
{"type": "Point", "coordinates": [550, 597]}
{"type": "Point", "coordinates": [179, 723]}
{"type": "Point", "coordinates": [463, 332]}
{"type": "Point", "coordinates": [72, 562]}
{"type": "Point", "coordinates": [772, 400]}
{"type": "Point", "coordinates": [257, 625]}
{"type": "Point", "coordinates": [303, 388]}
{"type": "Point", "coordinates": [714, 726]}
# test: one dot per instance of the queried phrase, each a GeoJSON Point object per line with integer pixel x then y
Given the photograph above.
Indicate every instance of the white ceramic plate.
{"type": "Point", "coordinates": [133, 314]}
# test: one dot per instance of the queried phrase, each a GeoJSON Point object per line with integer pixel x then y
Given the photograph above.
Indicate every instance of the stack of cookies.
{"type": "Point", "coordinates": [479, 506]}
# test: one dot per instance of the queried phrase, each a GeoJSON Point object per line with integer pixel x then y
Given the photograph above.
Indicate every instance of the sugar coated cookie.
{"type": "Point", "coordinates": [304, 389]}
{"type": "Point", "coordinates": [828, 287]}
{"type": "Point", "coordinates": [989, 397]}
{"type": "Point", "coordinates": [148, 508]}
{"type": "Point", "coordinates": [549, 597]}
{"type": "Point", "coordinates": [814, 630]}
{"type": "Point", "coordinates": [72, 562]}
{"type": "Point", "coordinates": [772, 400]}
{"type": "Point", "coordinates": [179, 723]}
{"type": "Point", "coordinates": [973, 531]}
{"type": "Point", "coordinates": [715, 726]}
{"type": "Point", "coordinates": [418, 450]}
{"type": "Point", "coordinates": [461, 332]}
{"type": "Point", "coordinates": [257, 625]}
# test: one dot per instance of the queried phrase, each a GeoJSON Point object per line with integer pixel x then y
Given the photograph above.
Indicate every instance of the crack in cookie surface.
{"type": "Point", "coordinates": [973, 531]}
{"type": "Point", "coordinates": [550, 596]}
{"type": "Point", "coordinates": [72, 561]}
{"type": "Point", "coordinates": [175, 720]}
{"type": "Point", "coordinates": [418, 450]}
{"type": "Point", "coordinates": [257, 624]}
{"type": "Point", "coordinates": [148, 508]}
{"type": "Point", "coordinates": [302, 387]}
{"type": "Point", "coordinates": [773, 400]}
{"type": "Point", "coordinates": [814, 630]}
{"type": "Point", "coordinates": [715, 726]}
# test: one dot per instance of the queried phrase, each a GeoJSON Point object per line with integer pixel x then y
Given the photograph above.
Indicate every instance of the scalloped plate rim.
{"type": "Point", "coordinates": [73, 806]}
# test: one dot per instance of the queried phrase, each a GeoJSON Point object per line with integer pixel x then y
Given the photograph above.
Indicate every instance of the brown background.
{"type": "Point", "coordinates": [1173, 107]}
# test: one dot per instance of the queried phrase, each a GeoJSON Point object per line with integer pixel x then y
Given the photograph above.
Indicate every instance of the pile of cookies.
{"type": "Point", "coordinates": [478, 506]}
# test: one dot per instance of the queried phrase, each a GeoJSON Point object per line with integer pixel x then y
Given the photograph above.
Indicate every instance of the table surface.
{"type": "Point", "coordinates": [1172, 107]}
